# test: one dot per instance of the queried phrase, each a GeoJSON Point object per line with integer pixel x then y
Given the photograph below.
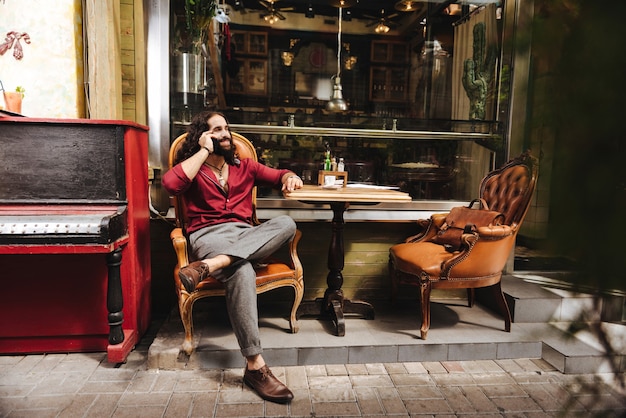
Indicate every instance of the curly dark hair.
{"type": "Point", "coordinates": [198, 125]}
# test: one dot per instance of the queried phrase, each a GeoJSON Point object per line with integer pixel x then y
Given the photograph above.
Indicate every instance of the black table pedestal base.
{"type": "Point", "coordinates": [335, 310]}
{"type": "Point", "coordinates": [333, 305]}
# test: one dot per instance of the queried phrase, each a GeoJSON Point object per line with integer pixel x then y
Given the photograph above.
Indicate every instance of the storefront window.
{"type": "Point", "coordinates": [422, 96]}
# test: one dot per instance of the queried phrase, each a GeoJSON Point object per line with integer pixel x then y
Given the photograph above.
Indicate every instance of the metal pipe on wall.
{"type": "Point", "coordinates": [158, 75]}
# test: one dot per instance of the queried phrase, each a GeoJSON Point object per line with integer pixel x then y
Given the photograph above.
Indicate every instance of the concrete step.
{"type": "Point", "coordinates": [530, 302]}
{"type": "Point", "coordinates": [541, 298]}
{"type": "Point", "coordinates": [457, 333]}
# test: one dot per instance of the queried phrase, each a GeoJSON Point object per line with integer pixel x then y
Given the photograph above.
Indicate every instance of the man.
{"type": "Point", "coordinates": [217, 190]}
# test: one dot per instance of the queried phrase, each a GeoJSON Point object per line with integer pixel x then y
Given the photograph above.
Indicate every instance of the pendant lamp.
{"type": "Point", "coordinates": [337, 104]}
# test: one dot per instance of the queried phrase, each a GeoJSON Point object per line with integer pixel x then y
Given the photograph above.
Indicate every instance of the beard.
{"type": "Point", "coordinates": [227, 153]}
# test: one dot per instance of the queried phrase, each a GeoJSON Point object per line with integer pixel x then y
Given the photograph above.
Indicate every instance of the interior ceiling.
{"type": "Point", "coordinates": [359, 9]}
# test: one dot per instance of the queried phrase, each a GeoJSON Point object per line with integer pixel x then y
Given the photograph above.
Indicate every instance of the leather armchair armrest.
{"type": "Point", "coordinates": [179, 241]}
{"type": "Point", "coordinates": [496, 232]}
{"type": "Point", "coordinates": [438, 219]}
{"type": "Point", "coordinates": [482, 255]}
{"type": "Point", "coordinates": [428, 227]}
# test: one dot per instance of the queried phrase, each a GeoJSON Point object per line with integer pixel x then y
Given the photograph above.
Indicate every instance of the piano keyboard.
{"type": "Point", "coordinates": [50, 224]}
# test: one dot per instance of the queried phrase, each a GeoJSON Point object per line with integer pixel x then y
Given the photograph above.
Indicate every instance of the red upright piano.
{"type": "Point", "coordinates": [74, 236]}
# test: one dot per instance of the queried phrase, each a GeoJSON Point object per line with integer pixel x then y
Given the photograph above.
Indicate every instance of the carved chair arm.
{"type": "Point", "coordinates": [179, 241]}
{"type": "Point", "coordinates": [293, 254]}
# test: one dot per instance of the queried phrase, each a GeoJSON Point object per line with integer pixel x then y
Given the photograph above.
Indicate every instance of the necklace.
{"type": "Point", "coordinates": [220, 178]}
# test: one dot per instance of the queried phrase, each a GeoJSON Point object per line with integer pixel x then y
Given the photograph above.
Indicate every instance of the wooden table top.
{"type": "Point", "coordinates": [346, 194]}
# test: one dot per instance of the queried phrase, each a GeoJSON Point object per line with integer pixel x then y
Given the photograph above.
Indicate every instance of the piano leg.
{"type": "Point", "coordinates": [121, 342]}
{"type": "Point", "coordinates": [115, 299]}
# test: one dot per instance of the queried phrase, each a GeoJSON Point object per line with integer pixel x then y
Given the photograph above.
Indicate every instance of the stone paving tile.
{"type": "Point", "coordinates": [395, 368]}
{"type": "Point", "coordinates": [354, 369]}
{"type": "Point", "coordinates": [434, 367]}
{"type": "Point", "coordinates": [479, 400]}
{"type": "Point", "coordinates": [415, 368]}
{"type": "Point", "coordinates": [146, 411]}
{"type": "Point", "coordinates": [453, 366]}
{"type": "Point", "coordinates": [368, 401]}
{"type": "Point", "coordinates": [336, 409]}
{"type": "Point", "coordinates": [419, 392]}
{"type": "Point", "coordinates": [544, 399]}
{"type": "Point", "coordinates": [427, 406]}
{"type": "Point", "coordinates": [332, 394]}
{"type": "Point", "coordinates": [234, 410]}
{"type": "Point", "coordinates": [103, 406]}
{"type": "Point", "coordinates": [411, 379]}
{"type": "Point", "coordinates": [457, 400]}
{"type": "Point", "coordinates": [391, 401]}
{"type": "Point", "coordinates": [516, 404]}
{"type": "Point", "coordinates": [301, 404]}
{"type": "Point", "coordinates": [206, 405]}
{"type": "Point", "coordinates": [371, 380]}
{"type": "Point", "coordinates": [376, 368]}
{"type": "Point", "coordinates": [78, 406]}
{"type": "Point", "coordinates": [336, 370]}
{"type": "Point", "coordinates": [179, 405]}
{"type": "Point", "coordinates": [453, 379]}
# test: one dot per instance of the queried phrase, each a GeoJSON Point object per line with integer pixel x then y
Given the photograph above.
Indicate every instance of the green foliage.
{"type": "Point", "coordinates": [192, 20]}
{"type": "Point", "coordinates": [21, 90]}
{"type": "Point", "coordinates": [198, 15]}
{"type": "Point", "coordinates": [478, 72]}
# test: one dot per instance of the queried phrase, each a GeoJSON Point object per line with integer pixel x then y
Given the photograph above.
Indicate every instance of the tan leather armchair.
{"type": "Point", "coordinates": [271, 274]}
{"type": "Point", "coordinates": [420, 262]}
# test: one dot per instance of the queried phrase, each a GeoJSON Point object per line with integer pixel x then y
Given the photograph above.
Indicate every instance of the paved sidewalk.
{"type": "Point", "coordinates": [85, 385]}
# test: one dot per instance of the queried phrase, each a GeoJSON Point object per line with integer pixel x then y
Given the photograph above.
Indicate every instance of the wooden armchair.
{"type": "Point", "coordinates": [271, 274]}
{"type": "Point", "coordinates": [421, 262]}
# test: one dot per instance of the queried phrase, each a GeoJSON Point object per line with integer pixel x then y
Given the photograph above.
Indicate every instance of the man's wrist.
{"type": "Point", "coordinates": [206, 148]}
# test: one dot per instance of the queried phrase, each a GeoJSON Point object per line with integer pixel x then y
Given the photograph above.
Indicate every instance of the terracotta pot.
{"type": "Point", "coordinates": [13, 101]}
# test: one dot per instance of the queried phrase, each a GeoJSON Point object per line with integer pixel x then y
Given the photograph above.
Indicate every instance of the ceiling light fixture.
{"type": "Point", "coordinates": [310, 13]}
{"type": "Point", "coordinates": [271, 18]}
{"type": "Point", "coordinates": [381, 28]}
{"type": "Point", "coordinates": [406, 5]}
{"type": "Point", "coordinates": [337, 104]}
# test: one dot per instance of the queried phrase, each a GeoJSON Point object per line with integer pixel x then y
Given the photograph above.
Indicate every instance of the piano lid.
{"type": "Point", "coordinates": [61, 163]}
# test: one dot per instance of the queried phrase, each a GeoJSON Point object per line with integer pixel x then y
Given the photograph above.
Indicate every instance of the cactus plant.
{"type": "Point", "coordinates": [478, 72]}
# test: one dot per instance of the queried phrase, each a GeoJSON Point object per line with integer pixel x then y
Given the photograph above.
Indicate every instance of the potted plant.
{"type": "Point", "coordinates": [192, 31]}
{"type": "Point", "coordinates": [13, 99]}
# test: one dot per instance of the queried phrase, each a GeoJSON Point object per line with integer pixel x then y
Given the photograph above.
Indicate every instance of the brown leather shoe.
{"type": "Point", "coordinates": [267, 386]}
{"type": "Point", "coordinates": [193, 274]}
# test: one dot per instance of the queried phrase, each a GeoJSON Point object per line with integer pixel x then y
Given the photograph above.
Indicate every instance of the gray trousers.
{"type": "Point", "coordinates": [246, 244]}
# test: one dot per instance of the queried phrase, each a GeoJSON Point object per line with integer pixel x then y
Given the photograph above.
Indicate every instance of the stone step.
{"type": "Point", "coordinates": [537, 298]}
{"type": "Point", "coordinates": [457, 333]}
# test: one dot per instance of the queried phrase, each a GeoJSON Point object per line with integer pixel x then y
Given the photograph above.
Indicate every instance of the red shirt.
{"type": "Point", "coordinates": [208, 204]}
